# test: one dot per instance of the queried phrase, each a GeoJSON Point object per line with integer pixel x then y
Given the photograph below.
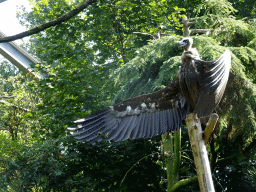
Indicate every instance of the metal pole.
{"type": "Point", "coordinates": [19, 57]}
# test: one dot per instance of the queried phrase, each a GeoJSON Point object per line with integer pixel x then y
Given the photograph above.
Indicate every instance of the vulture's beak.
{"type": "Point", "coordinates": [183, 43]}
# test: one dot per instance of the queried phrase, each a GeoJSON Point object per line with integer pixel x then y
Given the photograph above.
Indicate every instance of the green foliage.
{"type": "Point", "coordinates": [227, 30]}
{"type": "Point", "coordinates": [141, 74]}
{"type": "Point", "coordinates": [106, 29]}
{"type": "Point", "coordinates": [233, 32]}
{"type": "Point", "coordinates": [247, 57]}
{"type": "Point", "coordinates": [252, 43]}
{"type": "Point", "coordinates": [239, 96]}
{"type": "Point", "coordinates": [16, 111]}
{"type": "Point", "coordinates": [220, 8]}
{"type": "Point", "coordinates": [64, 165]}
{"type": "Point", "coordinates": [235, 173]}
{"type": "Point", "coordinates": [218, 16]}
{"type": "Point", "coordinates": [70, 91]}
{"type": "Point", "coordinates": [246, 8]}
{"type": "Point", "coordinates": [7, 69]}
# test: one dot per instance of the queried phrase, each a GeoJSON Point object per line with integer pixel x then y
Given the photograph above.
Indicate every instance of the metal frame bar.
{"type": "Point", "coordinates": [18, 56]}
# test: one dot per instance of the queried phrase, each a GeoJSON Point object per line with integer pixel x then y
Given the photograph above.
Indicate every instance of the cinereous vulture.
{"type": "Point", "coordinates": [198, 88]}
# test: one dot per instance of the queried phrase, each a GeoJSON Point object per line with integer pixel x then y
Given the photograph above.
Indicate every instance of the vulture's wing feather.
{"type": "Point", "coordinates": [144, 116]}
{"type": "Point", "coordinates": [213, 80]}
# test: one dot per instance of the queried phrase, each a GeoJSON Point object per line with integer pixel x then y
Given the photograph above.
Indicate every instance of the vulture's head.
{"type": "Point", "coordinates": [186, 43]}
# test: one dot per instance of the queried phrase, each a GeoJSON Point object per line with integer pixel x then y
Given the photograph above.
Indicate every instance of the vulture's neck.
{"type": "Point", "coordinates": [189, 53]}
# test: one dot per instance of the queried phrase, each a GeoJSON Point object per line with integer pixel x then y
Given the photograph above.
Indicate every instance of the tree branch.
{"type": "Point", "coordinates": [206, 31]}
{"type": "Point", "coordinates": [184, 183]}
{"type": "Point", "coordinates": [49, 24]}
{"type": "Point", "coordinates": [15, 106]}
{"type": "Point", "coordinates": [186, 25]}
{"type": "Point", "coordinates": [250, 147]}
{"type": "Point", "coordinates": [187, 31]}
{"type": "Point", "coordinates": [7, 97]}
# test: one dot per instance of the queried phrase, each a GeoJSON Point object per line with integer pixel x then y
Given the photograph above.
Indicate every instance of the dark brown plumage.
{"type": "Point", "coordinates": [199, 88]}
{"type": "Point", "coordinates": [202, 82]}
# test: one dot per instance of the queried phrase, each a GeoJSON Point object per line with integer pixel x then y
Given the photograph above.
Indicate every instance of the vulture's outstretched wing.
{"type": "Point", "coordinates": [144, 116]}
{"type": "Point", "coordinates": [203, 83]}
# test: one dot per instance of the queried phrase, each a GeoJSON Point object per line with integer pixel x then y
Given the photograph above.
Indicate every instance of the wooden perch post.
{"type": "Point", "coordinates": [200, 153]}
{"type": "Point", "coordinates": [210, 127]}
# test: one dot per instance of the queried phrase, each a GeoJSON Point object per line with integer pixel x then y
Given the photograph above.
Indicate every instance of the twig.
{"type": "Point", "coordinates": [15, 106]}
{"type": "Point", "coordinates": [7, 97]}
{"type": "Point", "coordinates": [134, 165]}
{"type": "Point", "coordinates": [206, 31]}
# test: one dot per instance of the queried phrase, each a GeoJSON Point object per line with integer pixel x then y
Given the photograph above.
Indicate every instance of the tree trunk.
{"type": "Point", "coordinates": [172, 146]}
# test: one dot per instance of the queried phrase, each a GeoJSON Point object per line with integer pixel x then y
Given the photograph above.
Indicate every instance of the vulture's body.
{"type": "Point", "coordinates": [198, 88]}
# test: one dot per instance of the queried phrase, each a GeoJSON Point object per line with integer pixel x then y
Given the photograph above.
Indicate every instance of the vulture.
{"type": "Point", "coordinates": [198, 88]}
